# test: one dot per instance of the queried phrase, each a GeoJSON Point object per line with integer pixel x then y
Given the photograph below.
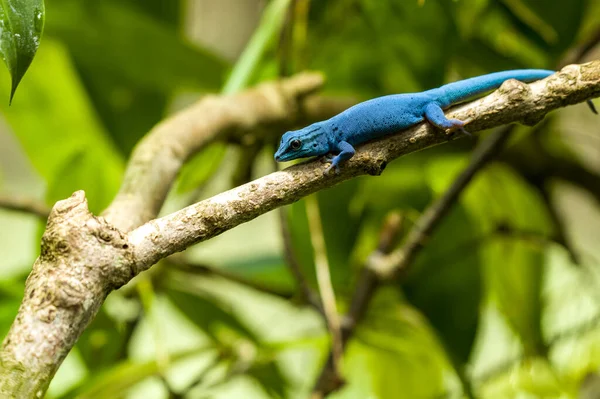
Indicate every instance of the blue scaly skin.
{"type": "Point", "coordinates": [386, 115]}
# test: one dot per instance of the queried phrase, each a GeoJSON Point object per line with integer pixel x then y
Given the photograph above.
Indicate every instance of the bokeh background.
{"type": "Point", "coordinates": [502, 303]}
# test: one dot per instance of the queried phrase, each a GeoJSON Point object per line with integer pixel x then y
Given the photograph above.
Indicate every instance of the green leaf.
{"type": "Point", "coordinates": [515, 273]}
{"type": "Point", "coordinates": [210, 316]}
{"type": "Point", "coordinates": [11, 294]}
{"type": "Point", "coordinates": [170, 11]}
{"type": "Point", "coordinates": [552, 25]}
{"type": "Point", "coordinates": [65, 141]}
{"type": "Point", "coordinates": [535, 378]}
{"type": "Point", "coordinates": [80, 172]}
{"type": "Point", "coordinates": [116, 40]}
{"type": "Point", "coordinates": [465, 13]}
{"type": "Point", "coordinates": [113, 382]}
{"type": "Point", "coordinates": [445, 283]}
{"type": "Point", "coordinates": [102, 343]}
{"type": "Point", "coordinates": [515, 45]}
{"type": "Point", "coordinates": [376, 54]}
{"type": "Point", "coordinates": [270, 377]}
{"type": "Point", "coordinates": [271, 22]}
{"type": "Point", "coordinates": [395, 354]}
{"type": "Point", "coordinates": [341, 224]}
{"type": "Point", "coordinates": [514, 267]}
{"type": "Point", "coordinates": [201, 167]}
{"type": "Point", "coordinates": [128, 107]}
{"type": "Point", "coordinates": [21, 26]}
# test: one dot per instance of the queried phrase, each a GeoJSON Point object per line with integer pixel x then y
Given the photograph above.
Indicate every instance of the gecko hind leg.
{"type": "Point", "coordinates": [435, 115]}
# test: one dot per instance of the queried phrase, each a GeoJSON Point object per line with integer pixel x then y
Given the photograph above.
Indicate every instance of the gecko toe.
{"type": "Point", "coordinates": [326, 158]}
{"type": "Point", "coordinates": [336, 170]}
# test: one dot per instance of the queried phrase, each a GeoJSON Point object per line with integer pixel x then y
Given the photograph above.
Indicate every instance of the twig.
{"type": "Point", "coordinates": [294, 265]}
{"type": "Point", "coordinates": [245, 163]}
{"type": "Point", "coordinates": [368, 282]}
{"type": "Point", "coordinates": [559, 225]}
{"type": "Point", "coordinates": [326, 290]}
{"type": "Point", "coordinates": [546, 166]}
{"type": "Point", "coordinates": [384, 267]}
{"type": "Point", "coordinates": [26, 205]}
{"type": "Point", "coordinates": [129, 327]}
{"type": "Point", "coordinates": [146, 294]}
{"type": "Point", "coordinates": [399, 260]}
{"type": "Point", "coordinates": [579, 54]}
{"type": "Point", "coordinates": [181, 264]}
{"type": "Point", "coordinates": [330, 380]}
{"type": "Point", "coordinates": [202, 376]}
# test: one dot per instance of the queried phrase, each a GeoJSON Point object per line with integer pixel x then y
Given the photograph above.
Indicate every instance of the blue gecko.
{"type": "Point", "coordinates": [389, 114]}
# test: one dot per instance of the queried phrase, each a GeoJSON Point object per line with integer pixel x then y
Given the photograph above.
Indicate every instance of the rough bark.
{"type": "Point", "coordinates": [84, 257]}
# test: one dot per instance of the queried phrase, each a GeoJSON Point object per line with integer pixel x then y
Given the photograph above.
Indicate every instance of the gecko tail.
{"type": "Point", "coordinates": [457, 92]}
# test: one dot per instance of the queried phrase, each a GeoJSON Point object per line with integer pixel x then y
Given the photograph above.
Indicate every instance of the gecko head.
{"type": "Point", "coordinates": [307, 142]}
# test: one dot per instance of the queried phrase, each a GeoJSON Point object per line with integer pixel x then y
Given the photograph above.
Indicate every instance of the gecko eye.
{"type": "Point", "coordinates": [295, 144]}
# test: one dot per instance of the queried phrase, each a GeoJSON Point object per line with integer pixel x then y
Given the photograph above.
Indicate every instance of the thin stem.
{"type": "Point", "coordinates": [178, 262]}
{"type": "Point", "coordinates": [399, 260]}
{"type": "Point", "coordinates": [145, 291]}
{"type": "Point", "coordinates": [329, 380]}
{"type": "Point", "coordinates": [324, 279]}
{"type": "Point", "coordinates": [381, 266]}
{"type": "Point", "coordinates": [368, 282]}
{"type": "Point", "coordinates": [25, 205]}
{"type": "Point", "coordinates": [294, 265]}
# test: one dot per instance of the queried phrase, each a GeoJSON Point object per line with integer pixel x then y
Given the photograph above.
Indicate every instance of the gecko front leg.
{"type": "Point", "coordinates": [346, 151]}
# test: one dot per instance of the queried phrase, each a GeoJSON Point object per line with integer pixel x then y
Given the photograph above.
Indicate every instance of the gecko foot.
{"type": "Point", "coordinates": [327, 158]}
{"type": "Point", "coordinates": [335, 168]}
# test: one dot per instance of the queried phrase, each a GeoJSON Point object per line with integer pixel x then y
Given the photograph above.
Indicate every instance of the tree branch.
{"type": "Point", "coordinates": [26, 205]}
{"type": "Point", "coordinates": [513, 102]}
{"type": "Point", "coordinates": [397, 262]}
{"type": "Point", "coordinates": [157, 159]}
{"type": "Point", "coordinates": [84, 257]}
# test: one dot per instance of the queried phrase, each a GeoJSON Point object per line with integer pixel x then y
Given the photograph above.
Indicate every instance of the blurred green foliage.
{"type": "Point", "coordinates": [494, 307]}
